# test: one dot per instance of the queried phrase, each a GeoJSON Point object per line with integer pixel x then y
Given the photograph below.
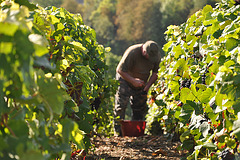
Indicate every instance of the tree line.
{"type": "Point", "coordinates": [121, 23]}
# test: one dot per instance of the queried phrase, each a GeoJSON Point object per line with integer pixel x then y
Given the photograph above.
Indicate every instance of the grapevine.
{"type": "Point", "coordinates": [51, 67]}
{"type": "Point", "coordinates": [200, 74]}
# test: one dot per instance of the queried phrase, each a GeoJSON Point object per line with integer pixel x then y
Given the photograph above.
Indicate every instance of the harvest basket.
{"type": "Point", "coordinates": [132, 128]}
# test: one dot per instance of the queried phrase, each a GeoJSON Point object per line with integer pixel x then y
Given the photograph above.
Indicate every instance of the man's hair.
{"type": "Point", "coordinates": [152, 50]}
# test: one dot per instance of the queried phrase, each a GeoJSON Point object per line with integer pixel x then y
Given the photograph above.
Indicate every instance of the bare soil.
{"type": "Point", "coordinates": [131, 148]}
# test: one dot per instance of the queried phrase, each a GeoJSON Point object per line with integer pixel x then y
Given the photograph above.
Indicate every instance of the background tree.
{"type": "Point", "coordinates": [102, 20]}
{"type": "Point", "coordinates": [73, 6]}
{"type": "Point", "coordinates": [133, 20]}
{"type": "Point", "coordinates": [89, 7]}
{"type": "Point", "coordinates": [136, 22]}
{"type": "Point", "coordinates": [200, 4]}
{"type": "Point", "coordinates": [44, 3]}
{"type": "Point", "coordinates": [121, 23]}
{"type": "Point", "coordinates": [175, 12]}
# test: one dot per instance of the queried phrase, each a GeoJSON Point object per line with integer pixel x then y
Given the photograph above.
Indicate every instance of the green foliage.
{"type": "Point", "coordinates": [51, 69]}
{"type": "Point", "coordinates": [112, 61]}
{"type": "Point", "coordinates": [205, 50]}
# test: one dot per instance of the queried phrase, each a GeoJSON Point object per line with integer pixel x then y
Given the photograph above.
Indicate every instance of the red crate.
{"type": "Point", "coordinates": [133, 128]}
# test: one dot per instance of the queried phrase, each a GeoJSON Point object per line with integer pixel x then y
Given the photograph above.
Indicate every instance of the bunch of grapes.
{"type": "Point", "coordinates": [185, 83]}
{"type": "Point", "coordinates": [204, 77]}
{"type": "Point", "coordinates": [212, 104]}
{"type": "Point", "coordinates": [237, 2]}
{"type": "Point", "coordinates": [226, 155]}
{"type": "Point", "coordinates": [205, 72]}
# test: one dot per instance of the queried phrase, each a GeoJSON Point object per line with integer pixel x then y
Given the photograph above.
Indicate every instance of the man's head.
{"type": "Point", "coordinates": [150, 51]}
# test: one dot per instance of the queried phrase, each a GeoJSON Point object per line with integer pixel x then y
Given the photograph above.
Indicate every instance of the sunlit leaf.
{"type": "Point", "coordinates": [186, 94]}
{"type": "Point", "coordinates": [210, 146]}
{"type": "Point", "coordinates": [204, 128]}
{"type": "Point", "coordinates": [178, 51]}
{"type": "Point", "coordinates": [54, 19]}
{"type": "Point", "coordinates": [78, 136]}
{"type": "Point", "coordinates": [174, 87]}
{"type": "Point", "coordinates": [231, 43]}
{"type": "Point", "coordinates": [207, 9]}
{"type": "Point", "coordinates": [205, 95]}
{"type": "Point", "coordinates": [8, 28]}
{"type": "Point", "coordinates": [79, 46]}
{"type": "Point", "coordinates": [167, 46]}
{"type": "Point", "coordinates": [50, 94]}
{"type": "Point", "coordinates": [6, 47]}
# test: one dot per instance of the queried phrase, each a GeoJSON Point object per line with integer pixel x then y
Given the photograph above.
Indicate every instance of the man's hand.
{"type": "Point", "coordinates": [138, 83]}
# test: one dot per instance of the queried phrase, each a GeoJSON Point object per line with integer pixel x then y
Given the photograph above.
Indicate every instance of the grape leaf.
{"type": "Point", "coordinates": [50, 94]}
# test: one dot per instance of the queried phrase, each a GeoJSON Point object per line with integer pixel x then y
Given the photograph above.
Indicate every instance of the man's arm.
{"type": "Point", "coordinates": [136, 82]}
{"type": "Point", "coordinates": [152, 79]}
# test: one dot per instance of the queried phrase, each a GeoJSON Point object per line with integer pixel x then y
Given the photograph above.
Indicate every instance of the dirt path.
{"type": "Point", "coordinates": [139, 148]}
